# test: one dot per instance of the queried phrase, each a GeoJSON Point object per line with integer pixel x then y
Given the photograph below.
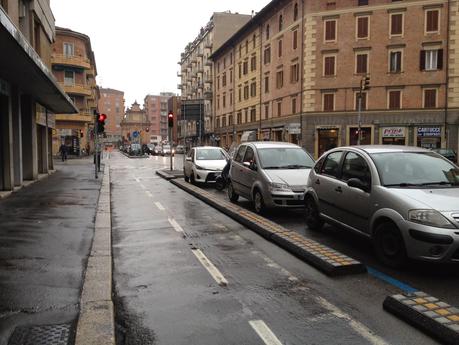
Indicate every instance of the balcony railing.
{"type": "Point", "coordinates": [77, 89]}
{"type": "Point", "coordinates": [70, 60]}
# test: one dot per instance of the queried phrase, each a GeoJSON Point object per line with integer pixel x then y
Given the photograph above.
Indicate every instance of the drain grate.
{"type": "Point", "coordinates": [41, 335]}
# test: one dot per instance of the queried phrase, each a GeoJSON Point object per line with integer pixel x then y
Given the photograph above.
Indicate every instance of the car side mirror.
{"type": "Point", "coordinates": [246, 164]}
{"type": "Point", "coordinates": [358, 183]}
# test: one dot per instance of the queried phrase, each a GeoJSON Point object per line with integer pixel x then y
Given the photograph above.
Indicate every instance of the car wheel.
{"type": "Point", "coordinates": [313, 220]}
{"type": "Point", "coordinates": [389, 245]}
{"type": "Point", "coordinates": [231, 193]}
{"type": "Point", "coordinates": [258, 202]}
{"type": "Point", "coordinates": [187, 179]}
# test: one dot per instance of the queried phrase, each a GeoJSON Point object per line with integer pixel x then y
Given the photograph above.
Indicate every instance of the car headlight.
{"type": "Point", "coordinates": [279, 187]}
{"type": "Point", "coordinates": [430, 217]}
{"type": "Point", "coordinates": [199, 167]}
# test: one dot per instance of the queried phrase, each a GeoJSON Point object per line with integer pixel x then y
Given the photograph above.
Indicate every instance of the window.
{"type": "Point", "coordinates": [253, 89]}
{"type": "Point", "coordinates": [224, 79]}
{"type": "Point", "coordinates": [279, 47]}
{"type": "Point", "coordinates": [329, 65]}
{"type": "Point", "coordinates": [253, 115]}
{"type": "Point", "coordinates": [432, 20]}
{"type": "Point", "coordinates": [69, 78]}
{"type": "Point", "coordinates": [361, 63]}
{"type": "Point", "coordinates": [330, 30]}
{"type": "Point", "coordinates": [218, 83]}
{"type": "Point", "coordinates": [363, 27]}
{"type": "Point", "coordinates": [295, 12]}
{"type": "Point", "coordinates": [362, 2]}
{"type": "Point", "coordinates": [293, 105]}
{"type": "Point", "coordinates": [230, 120]}
{"type": "Point", "coordinates": [249, 155]}
{"type": "Point", "coordinates": [246, 92]}
{"type": "Point", "coordinates": [246, 46]}
{"type": "Point", "coordinates": [240, 94]}
{"type": "Point", "coordinates": [279, 108]}
{"type": "Point", "coordinates": [267, 55]}
{"type": "Point", "coordinates": [253, 63]}
{"type": "Point", "coordinates": [266, 110]}
{"type": "Point", "coordinates": [239, 118]}
{"type": "Point", "coordinates": [218, 123]}
{"type": "Point", "coordinates": [328, 101]}
{"type": "Point", "coordinates": [218, 102]}
{"type": "Point", "coordinates": [231, 98]}
{"type": "Point", "coordinates": [224, 101]}
{"type": "Point", "coordinates": [430, 98]}
{"type": "Point", "coordinates": [281, 22]}
{"type": "Point", "coordinates": [396, 24]}
{"type": "Point", "coordinates": [240, 153]}
{"type": "Point", "coordinates": [295, 39]}
{"type": "Point", "coordinates": [267, 31]}
{"type": "Point", "coordinates": [267, 84]}
{"type": "Point", "coordinates": [240, 71]}
{"type": "Point", "coordinates": [331, 165]}
{"type": "Point", "coordinates": [395, 61]}
{"type": "Point", "coordinates": [245, 67]}
{"type": "Point", "coordinates": [224, 62]}
{"type": "Point", "coordinates": [431, 60]}
{"type": "Point", "coordinates": [231, 76]}
{"type": "Point", "coordinates": [364, 100]}
{"type": "Point", "coordinates": [354, 166]}
{"type": "Point", "coordinates": [68, 49]}
{"type": "Point", "coordinates": [279, 79]}
{"type": "Point", "coordinates": [294, 73]}
{"type": "Point", "coordinates": [395, 98]}
{"type": "Point", "coordinates": [246, 115]}
{"type": "Point", "coordinates": [254, 40]}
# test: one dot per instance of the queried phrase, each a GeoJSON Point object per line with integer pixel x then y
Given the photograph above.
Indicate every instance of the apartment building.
{"type": "Point", "coordinates": [174, 106]}
{"type": "Point", "coordinates": [74, 67]}
{"type": "Point", "coordinates": [156, 108]}
{"type": "Point", "coordinates": [111, 103]}
{"type": "Point", "coordinates": [258, 77]}
{"type": "Point", "coordinates": [404, 48]}
{"type": "Point", "coordinates": [135, 126]}
{"type": "Point", "coordinates": [196, 73]}
{"type": "Point", "coordinates": [29, 94]}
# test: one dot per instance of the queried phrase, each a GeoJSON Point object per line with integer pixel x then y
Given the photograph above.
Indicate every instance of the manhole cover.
{"type": "Point", "coordinates": [41, 335]}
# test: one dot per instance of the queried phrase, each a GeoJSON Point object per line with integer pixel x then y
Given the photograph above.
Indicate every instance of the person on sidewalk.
{"type": "Point", "coordinates": [63, 152]}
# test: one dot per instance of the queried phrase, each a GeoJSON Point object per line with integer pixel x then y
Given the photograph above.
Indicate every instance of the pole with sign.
{"type": "Point", "coordinates": [170, 124]}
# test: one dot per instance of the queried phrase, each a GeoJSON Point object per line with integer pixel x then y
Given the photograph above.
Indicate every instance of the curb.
{"type": "Point", "coordinates": [133, 157]}
{"type": "Point", "coordinates": [427, 313]}
{"type": "Point", "coordinates": [322, 257]}
{"type": "Point", "coordinates": [96, 324]}
{"type": "Point", "coordinates": [165, 175]}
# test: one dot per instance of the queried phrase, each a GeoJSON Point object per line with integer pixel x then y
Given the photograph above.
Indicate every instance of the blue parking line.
{"type": "Point", "coordinates": [388, 279]}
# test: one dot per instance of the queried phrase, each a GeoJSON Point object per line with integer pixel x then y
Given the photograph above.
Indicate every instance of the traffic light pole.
{"type": "Point", "coordinates": [96, 142]}
{"type": "Point", "coordinates": [170, 144]}
{"type": "Point", "coordinates": [359, 135]}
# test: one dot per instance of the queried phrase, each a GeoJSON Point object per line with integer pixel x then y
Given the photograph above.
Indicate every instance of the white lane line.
{"type": "Point", "coordinates": [176, 225]}
{"type": "Point", "coordinates": [137, 179]}
{"type": "Point", "coordinates": [272, 264]}
{"type": "Point", "coordinates": [263, 331]}
{"type": "Point", "coordinates": [158, 205]}
{"type": "Point", "coordinates": [209, 266]}
{"type": "Point", "coordinates": [143, 186]}
{"type": "Point", "coordinates": [149, 193]}
{"type": "Point", "coordinates": [360, 328]}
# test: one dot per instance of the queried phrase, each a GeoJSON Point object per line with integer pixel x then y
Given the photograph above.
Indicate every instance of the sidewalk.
{"type": "Point", "coordinates": [46, 231]}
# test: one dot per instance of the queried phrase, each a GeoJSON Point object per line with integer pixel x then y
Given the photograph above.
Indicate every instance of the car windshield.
{"type": "Point", "coordinates": [210, 155]}
{"type": "Point", "coordinates": [407, 169]}
{"type": "Point", "coordinates": [284, 158]}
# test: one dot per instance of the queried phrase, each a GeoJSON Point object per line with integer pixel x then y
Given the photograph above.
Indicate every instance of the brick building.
{"type": "Point", "coordinates": [156, 108]}
{"type": "Point", "coordinates": [111, 103]}
{"type": "Point", "coordinates": [135, 120]}
{"type": "Point", "coordinates": [174, 106]}
{"type": "Point", "coordinates": [29, 94]}
{"type": "Point", "coordinates": [74, 67]}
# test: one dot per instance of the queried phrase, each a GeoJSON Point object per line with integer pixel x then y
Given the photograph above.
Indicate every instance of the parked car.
{"type": "Point", "coordinates": [135, 150]}
{"type": "Point", "coordinates": [406, 199]}
{"type": "Point", "coordinates": [271, 174]}
{"type": "Point", "coordinates": [203, 164]}
{"type": "Point", "coordinates": [447, 153]}
{"type": "Point", "coordinates": [180, 149]}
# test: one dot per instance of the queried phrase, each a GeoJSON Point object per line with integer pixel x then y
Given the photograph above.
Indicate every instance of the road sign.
{"type": "Point", "coordinates": [135, 134]}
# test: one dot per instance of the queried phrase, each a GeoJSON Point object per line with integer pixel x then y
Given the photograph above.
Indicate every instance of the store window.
{"type": "Point", "coordinates": [429, 137]}
{"type": "Point", "coordinates": [365, 136]}
{"type": "Point", "coordinates": [393, 135]}
{"type": "Point", "coordinates": [327, 139]}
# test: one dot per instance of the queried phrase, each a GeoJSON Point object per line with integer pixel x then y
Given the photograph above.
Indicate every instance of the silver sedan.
{"type": "Point", "coordinates": [406, 199]}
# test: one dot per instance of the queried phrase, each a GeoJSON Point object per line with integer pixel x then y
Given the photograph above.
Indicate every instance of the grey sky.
{"type": "Point", "coordinates": [137, 46]}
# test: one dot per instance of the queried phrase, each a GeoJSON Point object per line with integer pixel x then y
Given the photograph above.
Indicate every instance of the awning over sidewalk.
{"type": "Point", "coordinates": [20, 65]}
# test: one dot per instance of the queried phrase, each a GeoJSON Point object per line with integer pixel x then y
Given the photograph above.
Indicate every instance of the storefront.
{"type": "Point", "coordinates": [327, 138]}
{"type": "Point", "coordinates": [366, 137]}
{"type": "Point", "coordinates": [429, 137]}
{"type": "Point", "coordinates": [266, 134]}
{"type": "Point", "coordinates": [277, 134]}
{"type": "Point", "coordinates": [393, 135]}
{"type": "Point", "coordinates": [294, 131]}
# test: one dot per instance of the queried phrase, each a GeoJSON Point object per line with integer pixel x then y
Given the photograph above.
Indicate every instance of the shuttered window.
{"type": "Point", "coordinates": [396, 24]}
{"type": "Point", "coordinates": [329, 101]}
{"type": "Point", "coordinates": [329, 65]}
{"type": "Point", "coordinates": [430, 98]}
{"type": "Point", "coordinates": [432, 17]}
{"type": "Point", "coordinates": [330, 30]}
{"type": "Point", "coordinates": [395, 99]}
{"type": "Point", "coordinates": [362, 27]}
{"type": "Point", "coordinates": [362, 63]}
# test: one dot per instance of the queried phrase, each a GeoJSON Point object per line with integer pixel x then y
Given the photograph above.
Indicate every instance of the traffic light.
{"type": "Point", "coordinates": [101, 123]}
{"type": "Point", "coordinates": [365, 83]}
{"type": "Point", "coordinates": [170, 119]}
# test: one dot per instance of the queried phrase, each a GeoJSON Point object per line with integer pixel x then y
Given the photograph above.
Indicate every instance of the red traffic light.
{"type": "Point", "coordinates": [102, 117]}
{"type": "Point", "coordinates": [170, 119]}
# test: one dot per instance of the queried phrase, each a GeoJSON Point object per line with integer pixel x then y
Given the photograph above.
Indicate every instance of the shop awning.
{"type": "Point", "coordinates": [20, 65]}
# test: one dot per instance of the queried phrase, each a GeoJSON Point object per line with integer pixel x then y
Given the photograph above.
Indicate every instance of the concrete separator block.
{"type": "Point", "coordinates": [96, 325]}
{"type": "Point", "coordinates": [98, 280]}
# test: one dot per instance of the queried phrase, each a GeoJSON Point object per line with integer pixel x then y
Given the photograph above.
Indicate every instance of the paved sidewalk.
{"type": "Point", "coordinates": [46, 231]}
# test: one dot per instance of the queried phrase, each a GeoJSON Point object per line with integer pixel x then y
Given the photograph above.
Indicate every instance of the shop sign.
{"type": "Point", "coordinates": [294, 128]}
{"type": "Point", "coordinates": [429, 132]}
{"type": "Point", "coordinates": [51, 120]}
{"type": "Point", "coordinates": [393, 132]}
{"type": "Point", "coordinates": [40, 115]}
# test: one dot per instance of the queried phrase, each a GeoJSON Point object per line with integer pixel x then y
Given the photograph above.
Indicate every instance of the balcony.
{"type": "Point", "coordinates": [81, 117]}
{"type": "Point", "coordinates": [90, 72]}
{"type": "Point", "coordinates": [208, 63]}
{"type": "Point", "coordinates": [91, 103]}
{"type": "Point", "coordinates": [179, 86]}
{"type": "Point", "coordinates": [179, 74]}
{"type": "Point", "coordinates": [208, 93]}
{"type": "Point", "coordinates": [77, 89]}
{"type": "Point", "coordinates": [68, 60]}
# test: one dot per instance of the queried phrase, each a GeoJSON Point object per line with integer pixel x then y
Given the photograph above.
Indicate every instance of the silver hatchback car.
{"type": "Point", "coordinates": [271, 174]}
{"type": "Point", "coordinates": [406, 199]}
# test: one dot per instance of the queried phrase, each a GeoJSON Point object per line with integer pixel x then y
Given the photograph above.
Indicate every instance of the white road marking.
{"type": "Point", "coordinates": [143, 186]}
{"type": "Point", "coordinates": [137, 179]}
{"type": "Point", "coordinates": [175, 225]}
{"type": "Point", "coordinates": [360, 328]}
{"type": "Point", "coordinates": [149, 193]}
{"type": "Point", "coordinates": [158, 205]}
{"type": "Point", "coordinates": [209, 266]}
{"type": "Point", "coordinates": [272, 264]}
{"type": "Point", "coordinates": [263, 331]}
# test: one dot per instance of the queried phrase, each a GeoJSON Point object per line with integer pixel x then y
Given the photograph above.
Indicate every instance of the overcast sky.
{"type": "Point", "coordinates": [137, 43]}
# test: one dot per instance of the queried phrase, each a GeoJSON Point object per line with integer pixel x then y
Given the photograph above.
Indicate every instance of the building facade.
{"type": "Point", "coordinates": [135, 126]}
{"type": "Point", "coordinates": [111, 103]}
{"type": "Point", "coordinates": [29, 94]}
{"type": "Point", "coordinates": [74, 67]}
{"type": "Point", "coordinates": [196, 73]}
{"type": "Point", "coordinates": [174, 106]}
{"type": "Point", "coordinates": [156, 108]}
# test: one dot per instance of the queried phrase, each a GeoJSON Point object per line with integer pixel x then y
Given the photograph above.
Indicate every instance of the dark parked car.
{"type": "Point", "coordinates": [447, 153]}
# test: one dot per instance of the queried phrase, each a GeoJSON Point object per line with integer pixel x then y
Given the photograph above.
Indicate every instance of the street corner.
{"type": "Point", "coordinates": [96, 324]}
{"type": "Point", "coordinates": [169, 174]}
{"type": "Point", "coordinates": [428, 313]}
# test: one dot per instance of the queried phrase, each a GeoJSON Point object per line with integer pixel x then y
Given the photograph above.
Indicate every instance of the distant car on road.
{"type": "Point", "coordinates": [180, 149]}
{"type": "Point", "coordinates": [135, 150]}
{"type": "Point", "coordinates": [406, 199]}
{"type": "Point", "coordinates": [447, 153]}
{"type": "Point", "coordinates": [167, 150]}
{"type": "Point", "coordinates": [203, 164]}
{"type": "Point", "coordinates": [271, 174]}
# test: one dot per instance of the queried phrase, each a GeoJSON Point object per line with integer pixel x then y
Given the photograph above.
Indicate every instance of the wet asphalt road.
{"type": "Point", "coordinates": [165, 295]}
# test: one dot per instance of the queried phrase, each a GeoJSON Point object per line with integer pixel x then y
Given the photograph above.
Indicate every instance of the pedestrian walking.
{"type": "Point", "coordinates": [63, 152]}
